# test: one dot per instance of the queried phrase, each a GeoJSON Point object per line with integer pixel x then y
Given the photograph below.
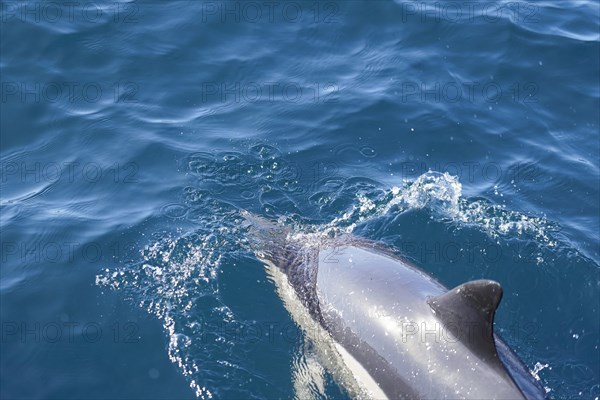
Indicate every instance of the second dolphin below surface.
{"type": "Point", "coordinates": [389, 330]}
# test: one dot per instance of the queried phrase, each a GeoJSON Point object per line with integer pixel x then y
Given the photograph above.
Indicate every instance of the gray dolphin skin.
{"type": "Point", "coordinates": [400, 333]}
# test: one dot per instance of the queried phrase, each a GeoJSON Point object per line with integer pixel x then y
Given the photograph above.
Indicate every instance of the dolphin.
{"type": "Point", "coordinates": [387, 329]}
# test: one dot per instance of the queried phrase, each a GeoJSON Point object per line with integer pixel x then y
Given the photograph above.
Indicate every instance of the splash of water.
{"type": "Point", "coordinates": [174, 276]}
{"type": "Point", "coordinates": [441, 195]}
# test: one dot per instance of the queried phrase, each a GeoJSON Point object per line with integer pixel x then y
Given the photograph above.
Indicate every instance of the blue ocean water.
{"type": "Point", "coordinates": [462, 134]}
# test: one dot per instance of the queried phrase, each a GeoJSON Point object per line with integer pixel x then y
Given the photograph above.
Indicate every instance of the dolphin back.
{"type": "Point", "coordinates": [412, 336]}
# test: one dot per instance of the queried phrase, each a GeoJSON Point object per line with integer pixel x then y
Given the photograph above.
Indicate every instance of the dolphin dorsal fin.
{"type": "Point", "coordinates": [468, 311]}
